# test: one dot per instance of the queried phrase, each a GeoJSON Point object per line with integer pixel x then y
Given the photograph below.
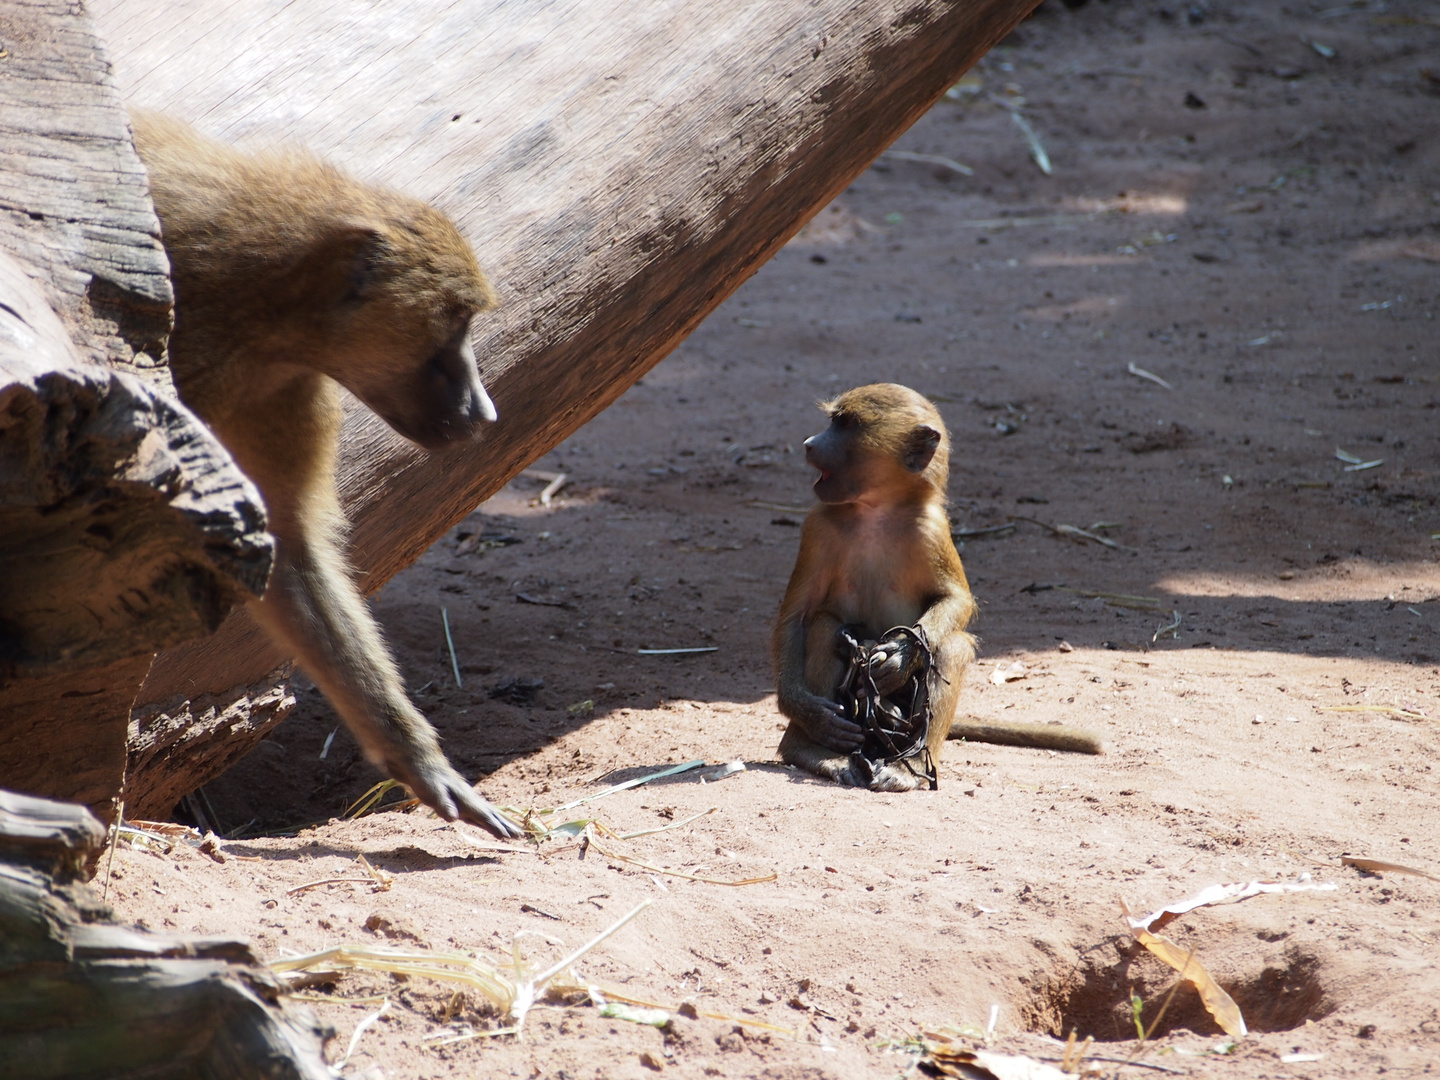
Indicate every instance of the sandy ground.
{"type": "Point", "coordinates": [1244, 204]}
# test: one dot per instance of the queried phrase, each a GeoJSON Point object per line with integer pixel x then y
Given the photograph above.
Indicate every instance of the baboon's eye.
{"type": "Point", "coordinates": [843, 420]}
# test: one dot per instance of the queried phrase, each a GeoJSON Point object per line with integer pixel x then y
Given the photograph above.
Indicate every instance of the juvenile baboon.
{"type": "Point", "coordinates": [877, 559]}
{"type": "Point", "coordinates": [291, 277]}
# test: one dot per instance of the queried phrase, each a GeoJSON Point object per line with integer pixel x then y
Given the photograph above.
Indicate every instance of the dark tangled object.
{"type": "Point", "coordinates": [897, 724]}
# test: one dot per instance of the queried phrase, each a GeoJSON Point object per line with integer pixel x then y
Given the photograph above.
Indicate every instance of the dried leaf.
{"type": "Point", "coordinates": [1223, 894]}
{"type": "Point", "coordinates": [1220, 1004]}
{"type": "Point", "coordinates": [952, 1061]}
{"type": "Point", "coordinates": [636, 1014]}
{"type": "Point", "coordinates": [720, 772]}
{"type": "Point", "coordinates": [1002, 674]}
{"type": "Point", "coordinates": [1376, 866]}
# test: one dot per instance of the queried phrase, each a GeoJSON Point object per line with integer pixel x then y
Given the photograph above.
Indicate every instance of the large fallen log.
{"type": "Point", "coordinates": [621, 168]}
{"type": "Point", "coordinates": [83, 997]}
{"type": "Point", "coordinates": [124, 526]}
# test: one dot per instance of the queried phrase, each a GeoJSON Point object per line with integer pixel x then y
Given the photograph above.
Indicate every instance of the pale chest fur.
{"type": "Point", "coordinates": [882, 578]}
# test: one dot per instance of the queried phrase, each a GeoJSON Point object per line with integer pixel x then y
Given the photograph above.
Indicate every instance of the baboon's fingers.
{"type": "Point", "coordinates": [445, 791]}
{"type": "Point", "coordinates": [476, 810]}
{"type": "Point", "coordinates": [891, 673]}
{"type": "Point", "coordinates": [832, 730]}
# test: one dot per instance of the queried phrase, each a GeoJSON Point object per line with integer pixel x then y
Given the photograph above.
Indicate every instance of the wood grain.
{"type": "Point", "coordinates": [621, 168]}
{"type": "Point", "coordinates": [124, 526]}
{"type": "Point", "coordinates": [74, 204]}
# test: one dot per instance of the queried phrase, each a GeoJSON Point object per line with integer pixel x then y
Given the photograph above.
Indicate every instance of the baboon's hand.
{"type": "Point", "coordinates": [824, 721]}
{"type": "Point", "coordinates": [445, 791]}
{"type": "Point", "coordinates": [893, 662]}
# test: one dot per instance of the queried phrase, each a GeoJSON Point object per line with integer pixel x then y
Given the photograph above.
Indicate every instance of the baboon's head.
{"type": "Point", "coordinates": [885, 443]}
{"type": "Point", "coordinates": [408, 286]}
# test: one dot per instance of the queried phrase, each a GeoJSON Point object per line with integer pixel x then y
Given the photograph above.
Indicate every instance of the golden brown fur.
{"type": "Point", "coordinates": [877, 552]}
{"type": "Point", "coordinates": [290, 277]}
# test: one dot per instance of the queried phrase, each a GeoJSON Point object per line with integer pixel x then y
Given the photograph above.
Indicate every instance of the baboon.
{"type": "Point", "coordinates": [877, 559]}
{"type": "Point", "coordinates": [290, 278]}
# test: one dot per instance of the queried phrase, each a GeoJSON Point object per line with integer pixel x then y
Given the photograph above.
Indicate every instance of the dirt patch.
{"type": "Point", "coordinates": [1267, 251]}
{"type": "Point", "coordinates": [1276, 992]}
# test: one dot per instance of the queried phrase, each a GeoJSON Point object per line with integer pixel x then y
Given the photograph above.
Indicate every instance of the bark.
{"type": "Point", "coordinates": [124, 526]}
{"type": "Point", "coordinates": [81, 996]}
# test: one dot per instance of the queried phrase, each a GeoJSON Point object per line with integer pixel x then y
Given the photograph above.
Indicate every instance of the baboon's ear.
{"type": "Point", "coordinates": [920, 447]}
{"type": "Point", "coordinates": [354, 248]}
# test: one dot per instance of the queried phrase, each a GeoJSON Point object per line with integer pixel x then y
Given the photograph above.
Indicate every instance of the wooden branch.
{"type": "Point", "coordinates": [621, 169]}
{"type": "Point", "coordinates": [65, 734]}
{"type": "Point", "coordinates": [56, 838]}
{"type": "Point", "coordinates": [82, 996]}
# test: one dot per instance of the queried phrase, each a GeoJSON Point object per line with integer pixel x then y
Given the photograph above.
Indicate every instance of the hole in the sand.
{"type": "Point", "coordinates": [1095, 998]}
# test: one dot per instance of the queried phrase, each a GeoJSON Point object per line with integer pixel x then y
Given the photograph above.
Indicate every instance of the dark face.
{"type": "Point", "coordinates": [834, 453]}
{"type": "Point", "coordinates": [444, 401]}
{"type": "Point", "coordinates": [851, 464]}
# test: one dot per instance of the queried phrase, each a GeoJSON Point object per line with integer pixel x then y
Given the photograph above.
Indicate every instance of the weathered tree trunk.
{"type": "Point", "coordinates": [620, 167]}
{"type": "Point", "coordinates": [127, 527]}
{"type": "Point", "coordinates": [83, 997]}
{"type": "Point", "coordinates": [124, 526]}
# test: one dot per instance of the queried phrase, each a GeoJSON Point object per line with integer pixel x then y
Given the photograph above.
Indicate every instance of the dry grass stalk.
{"type": "Point", "coordinates": [930, 159]}
{"type": "Point", "coordinates": [450, 644]}
{"type": "Point", "coordinates": [555, 481]}
{"type": "Point", "coordinates": [1151, 376]}
{"type": "Point", "coordinates": [513, 991]}
{"type": "Point", "coordinates": [114, 842]}
{"type": "Point", "coordinates": [590, 837]}
{"type": "Point", "coordinates": [360, 1030]}
{"type": "Point", "coordinates": [378, 880]}
{"type": "Point", "coordinates": [1387, 710]}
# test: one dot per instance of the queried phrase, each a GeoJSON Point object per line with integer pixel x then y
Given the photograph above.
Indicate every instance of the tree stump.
{"type": "Point", "coordinates": [83, 997]}
{"type": "Point", "coordinates": [620, 168]}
